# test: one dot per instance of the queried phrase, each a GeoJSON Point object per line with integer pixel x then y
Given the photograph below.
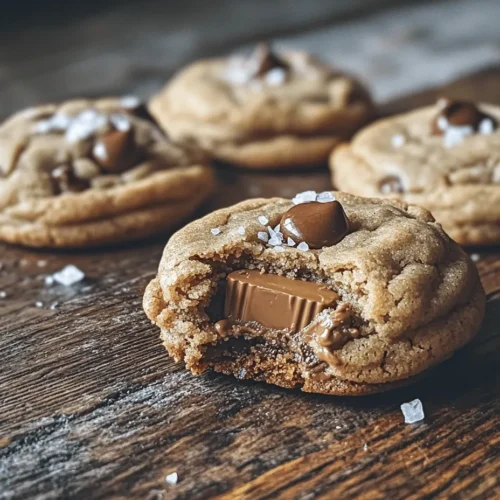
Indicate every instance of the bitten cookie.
{"type": "Point", "coordinates": [267, 110]}
{"type": "Point", "coordinates": [87, 173]}
{"type": "Point", "coordinates": [329, 293]}
{"type": "Point", "coordinates": [444, 157]}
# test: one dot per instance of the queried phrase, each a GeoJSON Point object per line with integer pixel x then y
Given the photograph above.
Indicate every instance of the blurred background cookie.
{"type": "Point", "coordinates": [444, 157]}
{"type": "Point", "coordinates": [86, 173]}
{"type": "Point", "coordinates": [269, 109]}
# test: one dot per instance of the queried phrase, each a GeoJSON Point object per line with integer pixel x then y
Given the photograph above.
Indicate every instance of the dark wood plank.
{"type": "Point", "coordinates": [91, 407]}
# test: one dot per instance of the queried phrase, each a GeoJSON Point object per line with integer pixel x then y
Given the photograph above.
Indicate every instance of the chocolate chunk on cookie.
{"type": "Point", "coordinates": [389, 296]}
{"type": "Point", "coordinates": [87, 173]}
{"type": "Point", "coordinates": [444, 157]}
{"type": "Point", "coordinates": [270, 109]}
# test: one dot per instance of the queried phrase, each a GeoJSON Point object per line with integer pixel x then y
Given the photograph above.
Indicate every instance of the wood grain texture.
{"type": "Point", "coordinates": [91, 406]}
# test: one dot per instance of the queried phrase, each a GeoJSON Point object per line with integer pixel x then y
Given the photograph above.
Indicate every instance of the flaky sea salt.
{"type": "Point", "coordinates": [455, 135]}
{"type": "Point", "coordinates": [276, 76]}
{"type": "Point", "coordinates": [397, 140]}
{"type": "Point", "coordinates": [413, 411]}
{"type": "Point", "coordinates": [263, 220]}
{"type": "Point", "coordinates": [263, 236]}
{"type": "Point", "coordinates": [120, 122]}
{"type": "Point", "coordinates": [241, 230]}
{"type": "Point", "coordinates": [325, 197]}
{"type": "Point", "coordinates": [215, 231]}
{"type": "Point", "coordinates": [486, 126]}
{"type": "Point", "coordinates": [99, 151]}
{"type": "Point", "coordinates": [303, 246]}
{"type": "Point", "coordinates": [475, 257]}
{"type": "Point", "coordinates": [290, 242]}
{"type": "Point", "coordinates": [309, 196]}
{"type": "Point", "coordinates": [305, 197]}
{"type": "Point", "coordinates": [172, 478]}
{"type": "Point", "coordinates": [69, 275]}
{"type": "Point", "coordinates": [49, 280]}
{"type": "Point", "coordinates": [279, 248]}
{"type": "Point", "coordinates": [85, 125]}
{"type": "Point", "coordinates": [130, 102]}
{"type": "Point", "coordinates": [3, 294]}
{"type": "Point", "coordinates": [38, 304]}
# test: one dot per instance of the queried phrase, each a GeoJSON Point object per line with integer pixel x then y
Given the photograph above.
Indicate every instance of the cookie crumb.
{"type": "Point", "coordinates": [475, 257]}
{"type": "Point", "coordinates": [215, 231]}
{"type": "Point", "coordinates": [263, 220]}
{"type": "Point", "coordinates": [397, 140]}
{"type": "Point", "coordinates": [41, 263]}
{"type": "Point", "coordinates": [69, 275]}
{"type": "Point", "coordinates": [413, 411]}
{"type": "Point", "coordinates": [303, 246]}
{"type": "Point", "coordinates": [172, 478]}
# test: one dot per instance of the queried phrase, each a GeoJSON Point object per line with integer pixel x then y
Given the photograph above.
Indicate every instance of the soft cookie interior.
{"type": "Point", "coordinates": [375, 327]}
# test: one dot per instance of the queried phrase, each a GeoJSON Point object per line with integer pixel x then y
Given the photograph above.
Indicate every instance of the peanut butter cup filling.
{"type": "Point", "coordinates": [301, 316]}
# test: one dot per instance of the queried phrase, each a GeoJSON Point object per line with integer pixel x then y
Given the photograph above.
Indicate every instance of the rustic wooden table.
{"type": "Point", "coordinates": [91, 406]}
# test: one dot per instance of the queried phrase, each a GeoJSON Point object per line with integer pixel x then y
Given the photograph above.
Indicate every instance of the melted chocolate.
{"type": "Point", "coordinates": [454, 113]}
{"type": "Point", "coordinates": [317, 224]}
{"type": "Point", "coordinates": [274, 301]}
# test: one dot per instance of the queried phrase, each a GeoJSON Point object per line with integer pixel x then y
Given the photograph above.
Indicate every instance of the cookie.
{"type": "Point", "coordinates": [86, 173]}
{"type": "Point", "coordinates": [267, 110]}
{"type": "Point", "coordinates": [444, 157]}
{"type": "Point", "coordinates": [330, 293]}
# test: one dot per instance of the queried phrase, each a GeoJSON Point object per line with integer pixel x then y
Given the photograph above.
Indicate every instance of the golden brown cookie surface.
{"type": "Point", "coordinates": [86, 173]}
{"type": "Point", "coordinates": [276, 112]}
{"type": "Point", "coordinates": [444, 157]}
{"type": "Point", "coordinates": [396, 296]}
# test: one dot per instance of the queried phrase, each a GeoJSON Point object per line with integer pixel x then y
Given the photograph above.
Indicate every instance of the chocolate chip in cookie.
{"type": "Point", "coordinates": [135, 106]}
{"type": "Point", "coordinates": [464, 115]}
{"type": "Point", "coordinates": [265, 60]}
{"type": "Point", "coordinates": [64, 180]}
{"type": "Point", "coordinates": [115, 151]}
{"type": "Point", "coordinates": [391, 184]}
{"type": "Point", "coordinates": [317, 224]}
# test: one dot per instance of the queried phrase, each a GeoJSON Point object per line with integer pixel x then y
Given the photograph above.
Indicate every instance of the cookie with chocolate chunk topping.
{"type": "Point", "coordinates": [87, 173]}
{"type": "Point", "coordinates": [383, 296]}
{"type": "Point", "coordinates": [267, 110]}
{"type": "Point", "coordinates": [444, 157]}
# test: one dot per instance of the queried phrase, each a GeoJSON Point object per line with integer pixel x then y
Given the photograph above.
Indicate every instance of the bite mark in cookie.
{"type": "Point", "coordinates": [391, 298]}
